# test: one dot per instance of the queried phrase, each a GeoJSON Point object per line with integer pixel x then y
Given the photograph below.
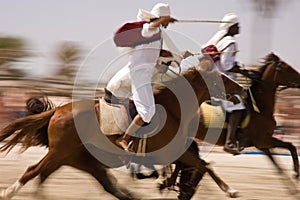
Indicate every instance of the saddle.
{"type": "Point", "coordinates": [115, 114]}
{"type": "Point", "coordinates": [113, 118]}
{"type": "Point", "coordinates": [214, 116]}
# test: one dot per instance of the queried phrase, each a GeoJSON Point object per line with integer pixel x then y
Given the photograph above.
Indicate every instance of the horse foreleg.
{"type": "Point", "coordinates": [192, 160]}
{"type": "Point", "coordinates": [287, 145]}
{"type": "Point", "coordinates": [108, 182]}
{"type": "Point", "coordinates": [222, 185]}
{"type": "Point", "coordinates": [83, 160]}
{"type": "Point", "coordinates": [170, 181]}
{"type": "Point", "coordinates": [286, 180]}
{"type": "Point", "coordinates": [270, 156]}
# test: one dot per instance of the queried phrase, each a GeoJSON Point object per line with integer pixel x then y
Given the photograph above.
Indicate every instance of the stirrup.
{"type": "Point", "coordinates": [129, 147]}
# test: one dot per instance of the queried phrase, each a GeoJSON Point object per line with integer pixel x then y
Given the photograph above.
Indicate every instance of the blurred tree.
{"type": "Point", "coordinates": [11, 49]}
{"type": "Point", "coordinates": [69, 53]}
{"type": "Point", "coordinates": [266, 8]}
{"type": "Point", "coordinates": [262, 26]}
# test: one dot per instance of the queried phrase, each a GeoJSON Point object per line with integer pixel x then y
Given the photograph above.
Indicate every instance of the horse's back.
{"type": "Point", "coordinates": [70, 120]}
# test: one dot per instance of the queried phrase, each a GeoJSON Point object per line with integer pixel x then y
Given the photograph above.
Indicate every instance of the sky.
{"type": "Point", "coordinates": [44, 24]}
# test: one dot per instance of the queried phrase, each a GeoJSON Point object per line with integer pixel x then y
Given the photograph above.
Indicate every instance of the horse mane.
{"type": "Point", "coordinates": [270, 58]}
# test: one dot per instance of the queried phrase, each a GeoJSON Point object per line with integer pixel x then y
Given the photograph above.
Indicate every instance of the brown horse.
{"type": "Point", "coordinates": [273, 73]}
{"type": "Point", "coordinates": [258, 133]}
{"type": "Point", "coordinates": [73, 136]}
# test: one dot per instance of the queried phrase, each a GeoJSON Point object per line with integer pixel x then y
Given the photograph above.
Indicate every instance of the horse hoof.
{"type": "Point", "coordinates": [3, 196]}
{"type": "Point", "coordinates": [154, 174]}
{"type": "Point", "coordinates": [233, 193]}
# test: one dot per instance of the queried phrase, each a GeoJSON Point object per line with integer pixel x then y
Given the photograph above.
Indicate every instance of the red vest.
{"type": "Point", "coordinates": [212, 52]}
{"type": "Point", "coordinates": [129, 35]}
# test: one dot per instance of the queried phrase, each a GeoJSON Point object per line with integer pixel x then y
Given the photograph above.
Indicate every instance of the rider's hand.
{"type": "Point", "coordinates": [162, 68]}
{"type": "Point", "coordinates": [172, 20]}
{"type": "Point", "coordinates": [164, 21]}
{"type": "Point", "coordinates": [187, 54]}
{"type": "Point", "coordinates": [233, 99]}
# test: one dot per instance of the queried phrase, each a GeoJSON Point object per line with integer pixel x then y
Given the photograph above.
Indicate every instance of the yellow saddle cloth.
{"type": "Point", "coordinates": [214, 116]}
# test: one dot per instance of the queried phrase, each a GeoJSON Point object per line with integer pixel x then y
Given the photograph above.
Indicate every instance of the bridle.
{"type": "Point", "coordinates": [278, 68]}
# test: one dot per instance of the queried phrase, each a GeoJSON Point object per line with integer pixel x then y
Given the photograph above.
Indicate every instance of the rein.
{"type": "Point", "coordinates": [278, 63]}
{"type": "Point", "coordinates": [277, 66]}
{"type": "Point", "coordinates": [254, 104]}
{"type": "Point", "coordinates": [255, 107]}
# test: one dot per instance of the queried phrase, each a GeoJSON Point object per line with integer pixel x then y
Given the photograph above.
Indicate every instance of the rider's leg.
{"type": "Point", "coordinates": [142, 95]}
{"type": "Point", "coordinates": [136, 123]}
{"type": "Point", "coordinates": [234, 120]}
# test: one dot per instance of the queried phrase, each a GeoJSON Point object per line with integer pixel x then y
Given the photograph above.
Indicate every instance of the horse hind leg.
{"type": "Point", "coordinates": [43, 176]}
{"type": "Point", "coordinates": [292, 188]}
{"type": "Point", "coordinates": [9, 192]}
{"type": "Point", "coordinates": [29, 174]}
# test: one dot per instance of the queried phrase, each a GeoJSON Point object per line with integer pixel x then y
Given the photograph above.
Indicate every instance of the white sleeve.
{"type": "Point", "coordinates": [228, 57]}
{"type": "Point", "coordinates": [149, 31]}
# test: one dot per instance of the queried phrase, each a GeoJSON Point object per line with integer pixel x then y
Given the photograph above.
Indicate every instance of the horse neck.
{"type": "Point", "coordinates": [264, 92]}
{"type": "Point", "coordinates": [200, 88]}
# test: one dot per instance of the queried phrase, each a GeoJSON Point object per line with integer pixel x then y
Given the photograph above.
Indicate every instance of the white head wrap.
{"type": "Point", "coordinates": [223, 28]}
{"type": "Point", "coordinates": [157, 11]}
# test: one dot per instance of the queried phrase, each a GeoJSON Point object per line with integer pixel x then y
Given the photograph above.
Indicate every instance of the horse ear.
{"type": "Point", "coordinates": [272, 57]}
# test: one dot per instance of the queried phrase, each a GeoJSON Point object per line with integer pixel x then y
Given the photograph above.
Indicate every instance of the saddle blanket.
{"type": "Point", "coordinates": [113, 118]}
{"type": "Point", "coordinates": [214, 116]}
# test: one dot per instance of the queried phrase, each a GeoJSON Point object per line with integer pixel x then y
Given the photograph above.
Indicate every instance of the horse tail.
{"type": "Point", "coordinates": [29, 131]}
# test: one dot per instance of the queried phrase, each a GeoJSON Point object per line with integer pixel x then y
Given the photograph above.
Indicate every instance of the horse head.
{"type": "Point", "coordinates": [279, 72]}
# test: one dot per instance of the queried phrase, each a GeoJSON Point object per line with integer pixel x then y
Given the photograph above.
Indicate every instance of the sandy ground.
{"type": "Point", "coordinates": [252, 175]}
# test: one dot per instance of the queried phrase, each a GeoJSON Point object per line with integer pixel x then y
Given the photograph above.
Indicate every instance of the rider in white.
{"type": "Point", "coordinates": [143, 59]}
{"type": "Point", "coordinates": [224, 58]}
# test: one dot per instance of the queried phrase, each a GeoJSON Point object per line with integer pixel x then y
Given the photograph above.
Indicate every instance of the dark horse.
{"type": "Point", "coordinates": [265, 82]}
{"type": "Point", "coordinates": [73, 137]}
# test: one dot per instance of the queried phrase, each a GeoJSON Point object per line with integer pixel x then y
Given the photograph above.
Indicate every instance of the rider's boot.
{"type": "Point", "coordinates": [231, 141]}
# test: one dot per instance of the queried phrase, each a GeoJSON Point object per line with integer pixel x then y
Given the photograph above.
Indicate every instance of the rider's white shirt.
{"type": "Point", "coordinates": [135, 78]}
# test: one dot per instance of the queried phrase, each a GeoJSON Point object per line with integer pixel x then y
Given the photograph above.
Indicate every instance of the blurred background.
{"type": "Point", "coordinates": [46, 47]}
